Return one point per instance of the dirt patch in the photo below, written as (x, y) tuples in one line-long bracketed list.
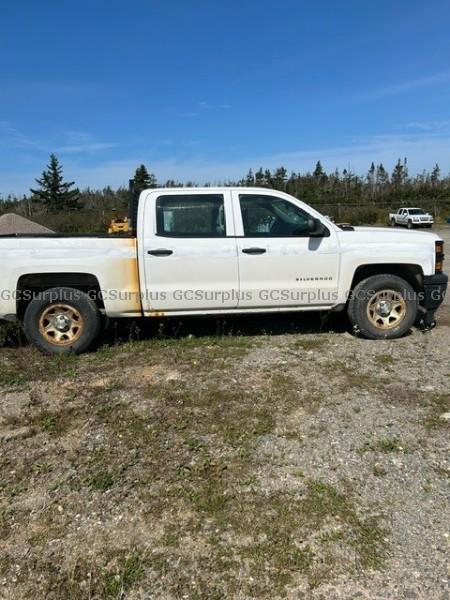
[(258, 466)]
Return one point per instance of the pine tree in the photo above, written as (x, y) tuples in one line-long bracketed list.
[(320, 179), (371, 181), (268, 178), (250, 179), (144, 179), (382, 177), (54, 192), (319, 173), (260, 180), (400, 173), (435, 175), (279, 179)]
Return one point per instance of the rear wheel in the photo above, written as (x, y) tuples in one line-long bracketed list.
[(62, 320), (392, 222), (383, 307)]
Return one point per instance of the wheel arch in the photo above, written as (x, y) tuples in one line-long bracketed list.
[(411, 273), (31, 283)]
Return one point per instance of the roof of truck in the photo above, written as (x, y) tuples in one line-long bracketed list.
[(212, 189)]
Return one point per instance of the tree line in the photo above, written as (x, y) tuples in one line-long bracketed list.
[(343, 193)]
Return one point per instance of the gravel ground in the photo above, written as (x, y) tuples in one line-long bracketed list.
[(284, 460)]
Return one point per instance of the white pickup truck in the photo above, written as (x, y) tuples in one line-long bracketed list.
[(216, 251), (411, 217)]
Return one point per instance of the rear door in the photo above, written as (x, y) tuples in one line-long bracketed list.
[(189, 251), (280, 265)]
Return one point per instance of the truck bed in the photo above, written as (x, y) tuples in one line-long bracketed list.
[(110, 260), (66, 235)]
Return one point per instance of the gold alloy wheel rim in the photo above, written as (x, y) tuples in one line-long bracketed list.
[(386, 309), (61, 324)]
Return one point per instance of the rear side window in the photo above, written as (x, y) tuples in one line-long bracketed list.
[(191, 215)]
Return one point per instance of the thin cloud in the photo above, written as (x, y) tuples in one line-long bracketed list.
[(423, 150), (428, 125), (209, 106), (406, 86), (74, 141), (12, 137), (204, 106), (89, 147), (82, 141)]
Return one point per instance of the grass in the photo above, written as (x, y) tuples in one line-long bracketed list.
[(26, 365), (349, 376), (384, 360), (162, 485), (385, 445), (439, 404), (310, 343), (109, 579)]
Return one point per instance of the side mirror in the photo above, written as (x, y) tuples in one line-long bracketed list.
[(316, 228)]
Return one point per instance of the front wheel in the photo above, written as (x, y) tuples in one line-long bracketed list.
[(62, 320), (410, 225), (383, 307)]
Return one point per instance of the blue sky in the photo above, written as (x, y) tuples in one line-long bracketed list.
[(203, 89)]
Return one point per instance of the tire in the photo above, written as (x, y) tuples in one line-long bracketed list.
[(429, 226), (78, 326), (393, 223), (378, 292), (410, 225)]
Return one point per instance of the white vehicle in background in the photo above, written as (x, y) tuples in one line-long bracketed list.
[(411, 217)]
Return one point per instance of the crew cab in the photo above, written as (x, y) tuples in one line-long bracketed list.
[(217, 251), (411, 217)]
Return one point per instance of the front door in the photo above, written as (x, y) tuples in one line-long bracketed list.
[(280, 264), (189, 252)]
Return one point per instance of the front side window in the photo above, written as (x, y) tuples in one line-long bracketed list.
[(191, 215), (269, 216)]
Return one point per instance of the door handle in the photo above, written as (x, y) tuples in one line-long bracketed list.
[(253, 250), (160, 252)]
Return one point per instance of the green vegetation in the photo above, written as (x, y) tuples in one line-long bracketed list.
[(440, 404), (384, 360), (143, 179), (53, 192), (385, 445), (346, 196), (164, 476)]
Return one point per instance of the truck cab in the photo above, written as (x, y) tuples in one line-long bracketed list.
[(206, 250)]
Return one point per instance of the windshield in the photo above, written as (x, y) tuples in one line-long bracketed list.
[(416, 211)]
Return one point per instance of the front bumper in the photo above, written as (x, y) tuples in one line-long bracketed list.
[(434, 290)]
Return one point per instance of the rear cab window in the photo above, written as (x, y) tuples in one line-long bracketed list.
[(191, 215)]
